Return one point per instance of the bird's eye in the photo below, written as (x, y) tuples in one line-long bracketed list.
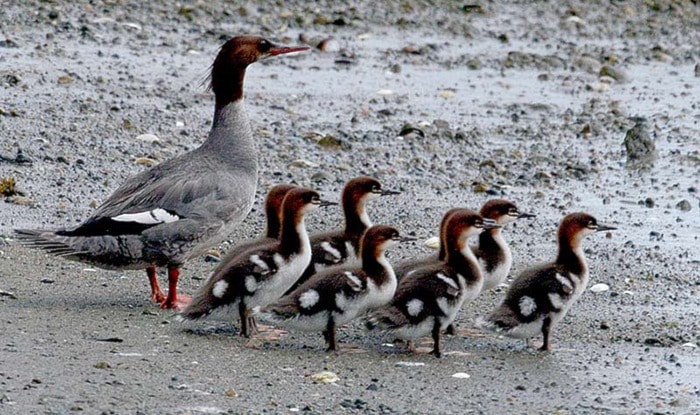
[(264, 45)]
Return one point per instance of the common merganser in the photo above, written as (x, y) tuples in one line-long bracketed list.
[(339, 294), (337, 247), (542, 295), (180, 208), (263, 273), (429, 298)]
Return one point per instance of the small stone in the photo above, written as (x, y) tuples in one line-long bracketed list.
[(697, 70), (102, 365), (47, 281), (231, 393), (149, 138), (65, 79), (409, 364), (303, 163), (599, 288), (372, 387), (385, 92), (145, 161), (461, 375), (432, 242), (640, 148), (684, 206), (649, 202), (613, 73), (325, 377)]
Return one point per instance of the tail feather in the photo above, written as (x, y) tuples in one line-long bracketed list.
[(500, 319), (279, 312), (200, 306), (387, 319)]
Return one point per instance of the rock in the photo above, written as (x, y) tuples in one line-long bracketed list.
[(613, 73), (432, 242), (409, 130), (8, 186), (332, 142), (684, 206), (640, 148), (409, 364), (697, 70), (461, 375), (102, 365), (231, 393), (303, 163), (649, 202), (65, 79), (149, 138), (8, 294), (599, 288), (325, 377), (145, 161)]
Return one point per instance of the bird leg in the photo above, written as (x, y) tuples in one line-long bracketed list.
[(173, 301), (436, 338), (157, 295), (451, 330), (329, 335), (245, 319), (546, 328)]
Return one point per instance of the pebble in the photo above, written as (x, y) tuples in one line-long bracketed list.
[(684, 206), (409, 364), (638, 144), (231, 393), (613, 73), (385, 92), (65, 79), (325, 377), (461, 375), (599, 288), (432, 242), (149, 138), (145, 161), (303, 163)]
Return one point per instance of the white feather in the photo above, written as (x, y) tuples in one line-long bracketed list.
[(329, 249), (308, 299), (414, 307), (219, 289), (152, 217), (527, 305), (447, 280)]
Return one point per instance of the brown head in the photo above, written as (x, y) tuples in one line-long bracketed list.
[(502, 211), (575, 226), (376, 240), (228, 69), (273, 208), (460, 226), (356, 192)]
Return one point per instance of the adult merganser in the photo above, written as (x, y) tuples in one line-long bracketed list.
[(338, 294), (263, 273), (541, 296), (180, 208)]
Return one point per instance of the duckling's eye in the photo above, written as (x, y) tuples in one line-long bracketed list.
[(264, 45)]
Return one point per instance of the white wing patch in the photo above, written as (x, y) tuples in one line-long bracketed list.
[(251, 284), (527, 305), (414, 307), (152, 217), (260, 265), (447, 280), (444, 305), (219, 289), (350, 249), (308, 299), (355, 282), (565, 282), (332, 251)]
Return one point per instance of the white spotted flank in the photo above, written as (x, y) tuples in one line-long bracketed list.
[(308, 299), (355, 282), (219, 289), (251, 284), (414, 307), (565, 282), (527, 305), (260, 265), (332, 251), (447, 280), (152, 217)]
